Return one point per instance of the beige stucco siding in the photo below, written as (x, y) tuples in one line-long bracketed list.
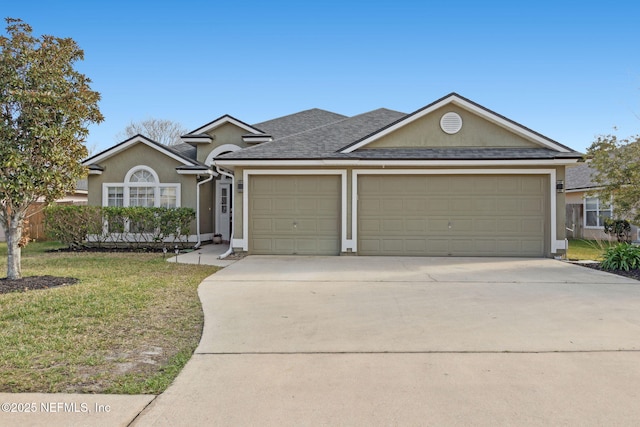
[(294, 215), (426, 133), (226, 134), (459, 215), (117, 166)]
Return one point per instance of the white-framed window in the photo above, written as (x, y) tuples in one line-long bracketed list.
[(115, 196), (141, 187), (596, 211)]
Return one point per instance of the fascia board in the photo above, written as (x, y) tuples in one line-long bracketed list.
[(125, 145)]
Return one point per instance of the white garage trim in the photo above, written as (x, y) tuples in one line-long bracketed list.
[(244, 242), (555, 244)]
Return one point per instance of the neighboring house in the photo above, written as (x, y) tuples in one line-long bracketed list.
[(35, 213), (453, 178), (585, 210)]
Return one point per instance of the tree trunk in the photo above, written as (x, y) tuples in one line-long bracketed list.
[(14, 234)]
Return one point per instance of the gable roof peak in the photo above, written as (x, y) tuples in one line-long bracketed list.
[(471, 106), (226, 118), (140, 139)]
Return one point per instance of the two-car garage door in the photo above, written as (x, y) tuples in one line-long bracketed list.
[(406, 215), (458, 215)]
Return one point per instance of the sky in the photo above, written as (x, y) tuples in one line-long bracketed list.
[(569, 70)]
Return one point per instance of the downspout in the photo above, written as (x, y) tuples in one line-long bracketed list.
[(198, 210), (233, 201)]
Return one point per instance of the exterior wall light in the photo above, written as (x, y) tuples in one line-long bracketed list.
[(560, 186)]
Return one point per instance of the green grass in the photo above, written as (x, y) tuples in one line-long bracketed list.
[(128, 326), (587, 249)]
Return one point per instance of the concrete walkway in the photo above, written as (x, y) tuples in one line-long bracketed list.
[(206, 255), (410, 341)]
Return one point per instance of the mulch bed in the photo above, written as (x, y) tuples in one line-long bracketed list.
[(633, 274), (34, 282)]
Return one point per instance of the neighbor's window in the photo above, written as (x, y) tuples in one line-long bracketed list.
[(596, 211)]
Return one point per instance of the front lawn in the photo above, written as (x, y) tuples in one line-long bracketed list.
[(128, 326), (587, 249)]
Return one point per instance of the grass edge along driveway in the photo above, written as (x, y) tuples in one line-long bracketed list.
[(127, 327)]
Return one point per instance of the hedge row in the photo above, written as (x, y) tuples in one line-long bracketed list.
[(134, 227)]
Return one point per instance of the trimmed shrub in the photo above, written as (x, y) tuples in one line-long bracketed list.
[(623, 256), (131, 227), (71, 224)]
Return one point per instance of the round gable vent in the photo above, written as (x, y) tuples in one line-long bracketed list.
[(451, 123)]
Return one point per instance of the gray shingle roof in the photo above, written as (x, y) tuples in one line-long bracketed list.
[(298, 122), (319, 142), (186, 150), (579, 177)]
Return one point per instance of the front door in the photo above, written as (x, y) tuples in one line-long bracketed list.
[(223, 208)]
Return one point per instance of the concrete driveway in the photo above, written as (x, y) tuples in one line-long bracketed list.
[(410, 341)]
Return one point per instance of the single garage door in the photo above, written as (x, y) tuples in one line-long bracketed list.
[(456, 215), (294, 214)]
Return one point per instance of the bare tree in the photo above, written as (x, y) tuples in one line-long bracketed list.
[(165, 132)]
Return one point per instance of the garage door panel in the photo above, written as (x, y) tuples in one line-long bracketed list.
[(485, 205), (294, 214), (452, 215), (532, 226), (437, 206), (485, 246), (392, 225), (283, 245), (507, 186), (416, 225), (262, 225), (488, 225), (262, 205), (369, 245), (283, 206), (370, 225), (437, 225), (531, 206), (461, 225), (533, 186), (393, 245), (285, 186), (413, 206), (416, 246), (485, 186), (328, 226)]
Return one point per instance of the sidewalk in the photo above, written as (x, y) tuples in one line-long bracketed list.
[(70, 410), (205, 255)]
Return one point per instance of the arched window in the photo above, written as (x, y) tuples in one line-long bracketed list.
[(142, 187), (142, 175)]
